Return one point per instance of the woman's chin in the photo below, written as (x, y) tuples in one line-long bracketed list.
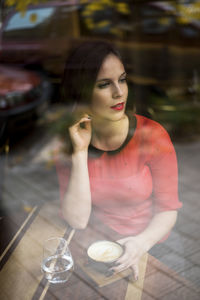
[(114, 117)]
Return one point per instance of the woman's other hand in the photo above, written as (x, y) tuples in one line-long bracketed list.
[(136, 246), (80, 134), (134, 250)]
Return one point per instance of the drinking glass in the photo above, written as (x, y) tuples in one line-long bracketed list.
[(57, 264)]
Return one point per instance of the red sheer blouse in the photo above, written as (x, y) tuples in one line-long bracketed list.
[(130, 185)]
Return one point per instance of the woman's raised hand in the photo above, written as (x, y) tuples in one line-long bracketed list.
[(80, 134)]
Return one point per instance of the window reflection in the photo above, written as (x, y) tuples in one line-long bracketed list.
[(19, 21)]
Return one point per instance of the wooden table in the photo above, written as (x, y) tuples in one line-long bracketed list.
[(22, 238)]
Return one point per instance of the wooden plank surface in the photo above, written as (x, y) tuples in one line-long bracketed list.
[(20, 276), (9, 225), (135, 289), (17, 233)]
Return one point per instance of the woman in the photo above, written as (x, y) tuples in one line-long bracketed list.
[(122, 167)]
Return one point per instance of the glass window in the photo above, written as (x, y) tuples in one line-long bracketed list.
[(21, 22), (35, 22)]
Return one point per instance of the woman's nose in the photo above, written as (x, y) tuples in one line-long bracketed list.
[(117, 91)]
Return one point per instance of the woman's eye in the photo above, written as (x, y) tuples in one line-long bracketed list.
[(122, 80), (103, 85)]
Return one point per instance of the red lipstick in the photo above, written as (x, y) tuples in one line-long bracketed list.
[(118, 106)]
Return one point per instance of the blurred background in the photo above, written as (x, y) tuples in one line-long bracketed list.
[(159, 41), (160, 44)]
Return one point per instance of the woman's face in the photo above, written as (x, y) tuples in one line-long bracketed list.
[(111, 91)]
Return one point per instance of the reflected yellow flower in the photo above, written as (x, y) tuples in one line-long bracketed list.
[(182, 20), (188, 12), (21, 5), (95, 6), (164, 21), (107, 2), (122, 8), (103, 24), (10, 2), (33, 18), (90, 24), (86, 13), (117, 32)]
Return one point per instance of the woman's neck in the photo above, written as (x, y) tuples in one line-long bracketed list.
[(109, 135)]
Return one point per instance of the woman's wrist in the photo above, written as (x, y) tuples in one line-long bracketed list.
[(159, 227), (80, 154), (144, 241)]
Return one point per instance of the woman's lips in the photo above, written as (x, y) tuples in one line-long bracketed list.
[(118, 106)]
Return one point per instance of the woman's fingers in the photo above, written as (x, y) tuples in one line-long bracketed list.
[(86, 119), (135, 269), (120, 268), (80, 133), (88, 124), (123, 267), (126, 263), (123, 259)]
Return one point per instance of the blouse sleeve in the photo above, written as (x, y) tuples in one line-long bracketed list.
[(163, 165)]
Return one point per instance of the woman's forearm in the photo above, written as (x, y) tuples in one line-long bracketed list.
[(136, 246), (160, 225), (76, 206)]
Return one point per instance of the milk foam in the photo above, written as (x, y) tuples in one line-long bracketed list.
[(104, 251)]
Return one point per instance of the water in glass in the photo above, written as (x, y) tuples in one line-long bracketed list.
[(57, 264), (57, 268)]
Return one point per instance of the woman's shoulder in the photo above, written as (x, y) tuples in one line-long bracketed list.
[(151, 132), (145, 121), (149, 125)]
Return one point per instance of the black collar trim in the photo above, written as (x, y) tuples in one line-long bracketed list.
[(95, 152)]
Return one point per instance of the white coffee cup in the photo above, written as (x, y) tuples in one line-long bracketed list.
[(102, 255)]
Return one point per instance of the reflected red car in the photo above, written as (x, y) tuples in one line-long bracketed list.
[(23, 96)]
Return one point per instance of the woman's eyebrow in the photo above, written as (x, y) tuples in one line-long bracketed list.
[(107, 79), (123, 74)]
